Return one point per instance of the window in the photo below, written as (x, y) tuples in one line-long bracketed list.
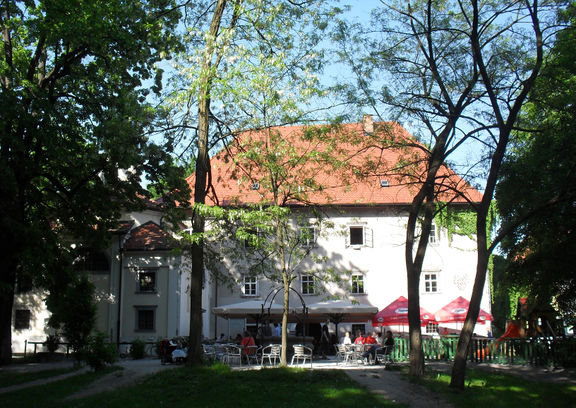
[(147, 281), (356, 235), (433, 238), (357, 284), (250, 286), (308, 237), (145, 318), (307, 285), (358, 328), (359, 236), (22, 319), (430, 282), (432, 328)]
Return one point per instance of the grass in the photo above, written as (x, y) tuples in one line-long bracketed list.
[(494, 390), (13, 378), (214, 386)]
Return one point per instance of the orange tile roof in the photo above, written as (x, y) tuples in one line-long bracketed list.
[(147, 237), (316, 180)]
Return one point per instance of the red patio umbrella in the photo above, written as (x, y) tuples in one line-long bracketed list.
[(456, 310), (396, 313)]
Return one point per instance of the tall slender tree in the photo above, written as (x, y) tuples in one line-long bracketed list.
[(460, 71), (250, 69)]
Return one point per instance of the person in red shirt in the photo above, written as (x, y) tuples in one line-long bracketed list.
[(370, 354), (248, 345), (359, 339)]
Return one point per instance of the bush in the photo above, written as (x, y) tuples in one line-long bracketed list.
[(52, 342), (138, 349), (98, 352), (566, 350)]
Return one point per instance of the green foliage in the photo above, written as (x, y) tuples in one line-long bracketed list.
[(74, 112), (52, 342), (456, 221), (98, 352), (536, 194), (73, 309), (138, 349)]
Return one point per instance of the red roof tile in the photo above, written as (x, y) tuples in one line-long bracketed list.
[(147, 237), (234, 171)]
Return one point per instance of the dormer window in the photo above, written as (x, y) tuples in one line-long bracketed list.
[(384, 183), (255, 186)]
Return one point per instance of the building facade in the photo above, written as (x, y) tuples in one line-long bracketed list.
[(142, 282)]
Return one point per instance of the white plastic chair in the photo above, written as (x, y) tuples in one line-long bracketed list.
[(272, 353), (233, 355), (251, 354), (301, 354)]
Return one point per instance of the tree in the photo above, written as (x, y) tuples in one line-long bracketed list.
[(463, 71), (73, 91), (73, 310), (231, 74), (539, 252), (430, 78), (276, 224)]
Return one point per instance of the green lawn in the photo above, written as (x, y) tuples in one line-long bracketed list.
[(485, 389), (8, 378), (215, 386), (218, 386)]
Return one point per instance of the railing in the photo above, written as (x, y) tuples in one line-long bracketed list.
[(42, 343), (532, 351)]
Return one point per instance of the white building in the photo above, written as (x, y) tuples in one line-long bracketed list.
[(149, 299)]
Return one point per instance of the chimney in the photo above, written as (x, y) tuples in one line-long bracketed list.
[(368, 124)]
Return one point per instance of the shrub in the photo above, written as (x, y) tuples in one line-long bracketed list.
[(52, 342), (99, 352), (138, 349)]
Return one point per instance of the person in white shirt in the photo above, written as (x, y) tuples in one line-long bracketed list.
[(346, 339)]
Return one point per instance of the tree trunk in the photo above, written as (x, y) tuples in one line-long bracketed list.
[(8, 268), (459, 367), (7, 282), (202, 169), (286, 305), (416, 352)]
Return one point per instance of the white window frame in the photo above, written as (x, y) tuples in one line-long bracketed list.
[(250, 285), (431, 282), (307, 284), (434, 237), (355, 278), (431, 327), (310, 240)]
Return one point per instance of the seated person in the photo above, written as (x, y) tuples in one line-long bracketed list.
[(346, 339), (248, 345), (388, 343), (179, 353), (370, 354), (359, 339)]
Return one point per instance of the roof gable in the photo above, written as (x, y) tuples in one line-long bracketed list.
[(148, 237)]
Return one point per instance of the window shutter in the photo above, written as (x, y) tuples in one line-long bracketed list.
[(368, 237)]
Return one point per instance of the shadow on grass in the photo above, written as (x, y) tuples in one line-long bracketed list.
[(502, 391), (216, 386)]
